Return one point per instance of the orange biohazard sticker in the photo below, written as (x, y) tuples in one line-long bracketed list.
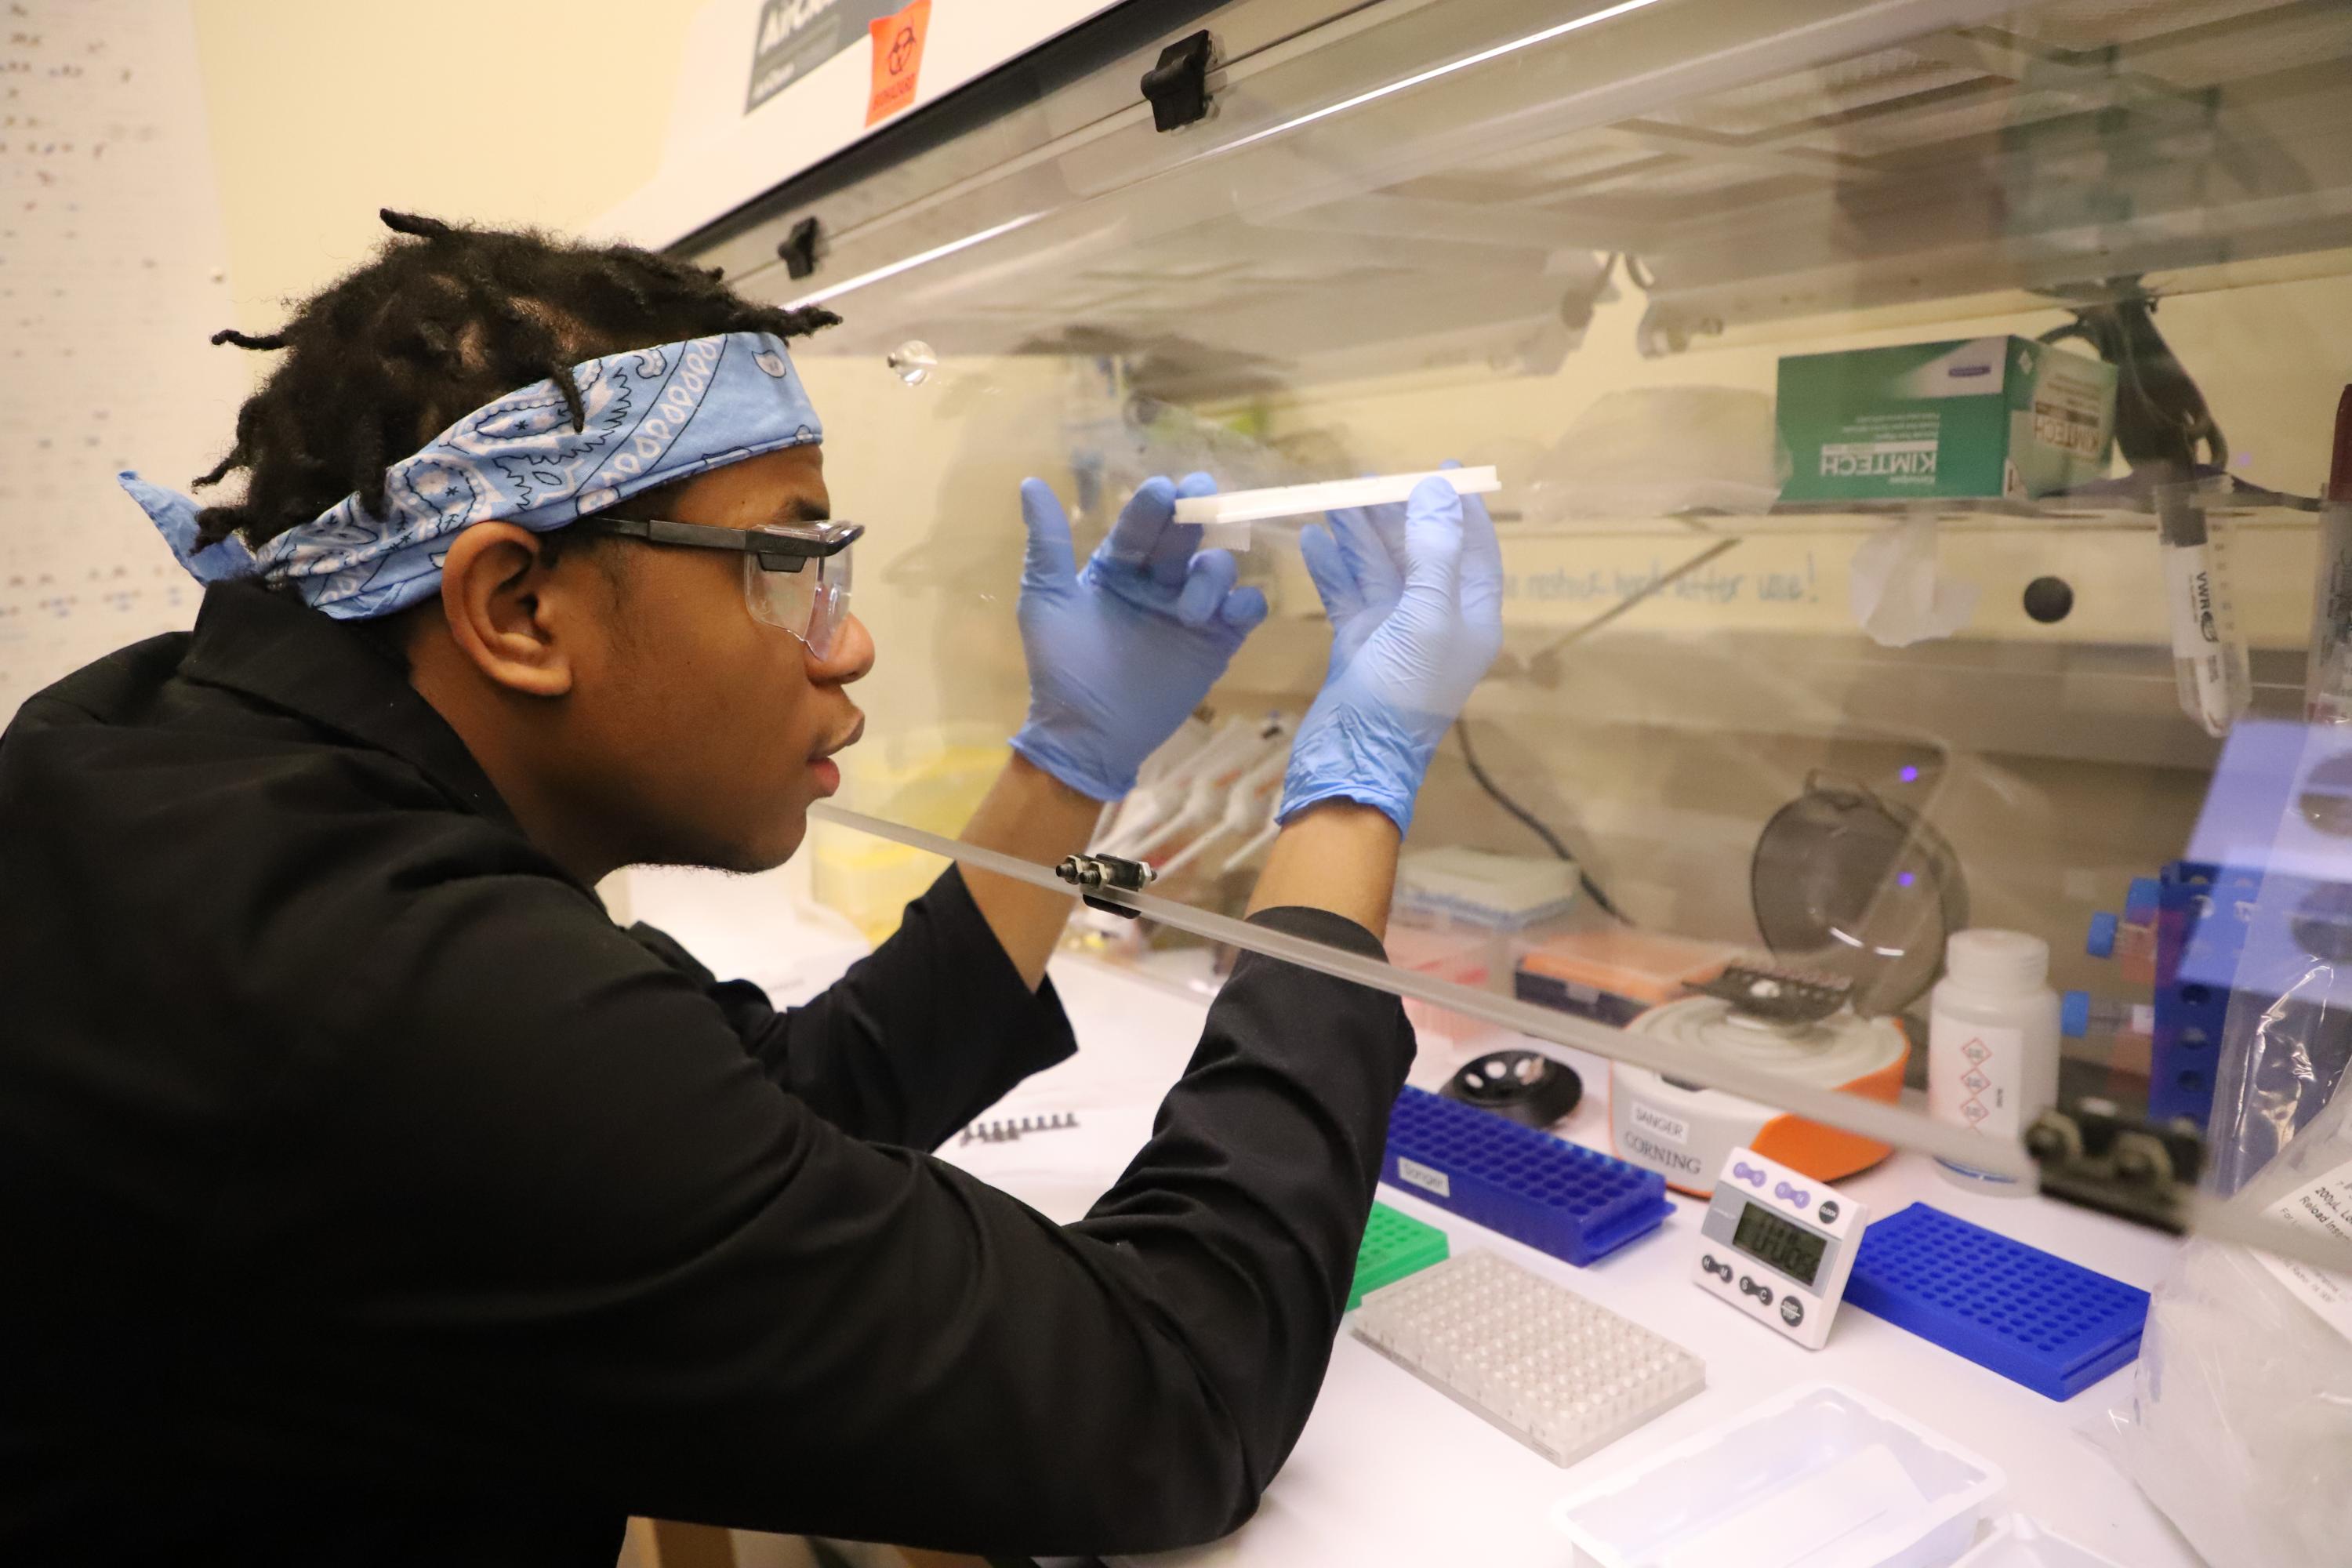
[(897, 59)]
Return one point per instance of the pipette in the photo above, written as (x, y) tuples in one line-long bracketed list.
[(1269, 826), (1154, 795), (1150, 805), (1245, 803), (1205, 801)]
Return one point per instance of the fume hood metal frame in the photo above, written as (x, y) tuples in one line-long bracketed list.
[(1460, 175)]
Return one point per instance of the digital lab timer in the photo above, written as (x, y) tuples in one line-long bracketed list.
[(1779, 1244)]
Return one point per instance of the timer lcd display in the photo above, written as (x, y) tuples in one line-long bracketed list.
[(1788, 1247)]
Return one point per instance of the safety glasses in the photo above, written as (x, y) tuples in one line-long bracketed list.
[(795, 576)]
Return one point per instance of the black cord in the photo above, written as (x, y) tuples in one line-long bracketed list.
[(2161, 418), (1494, 791)]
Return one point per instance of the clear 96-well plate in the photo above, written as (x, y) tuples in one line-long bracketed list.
[(1562, 1375)]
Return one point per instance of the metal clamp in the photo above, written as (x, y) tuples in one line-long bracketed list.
[(2095, 1154), (1086, 872)]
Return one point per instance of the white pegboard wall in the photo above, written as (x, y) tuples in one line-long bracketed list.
[(113, 275)]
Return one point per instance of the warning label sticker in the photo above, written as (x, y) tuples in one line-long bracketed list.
[(796, 36), (897, 59)]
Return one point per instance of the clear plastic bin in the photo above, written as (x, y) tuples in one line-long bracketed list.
[(1818, 1477), (2019, 1542)]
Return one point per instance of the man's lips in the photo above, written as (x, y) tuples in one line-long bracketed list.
[(848, 738)]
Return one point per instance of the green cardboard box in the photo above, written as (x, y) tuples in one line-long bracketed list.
[(1981, 417)]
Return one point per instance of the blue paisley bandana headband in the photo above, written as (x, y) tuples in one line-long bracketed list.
[(654, 416)]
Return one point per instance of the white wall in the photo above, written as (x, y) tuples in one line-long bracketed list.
[(169, 168), (541, 112), (112, 271)]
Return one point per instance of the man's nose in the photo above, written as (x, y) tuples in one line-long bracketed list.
[(852, 656)]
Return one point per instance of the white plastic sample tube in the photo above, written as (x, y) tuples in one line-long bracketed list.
[(2209, 658), (1226, 518)]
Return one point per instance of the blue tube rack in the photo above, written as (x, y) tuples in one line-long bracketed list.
[(2054, 1326), (1560, 1198)]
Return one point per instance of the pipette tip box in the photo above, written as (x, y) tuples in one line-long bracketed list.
[(1573, 1202), (1395, 1245), (2054, 1326), (1561, 1375), (1492, 892)]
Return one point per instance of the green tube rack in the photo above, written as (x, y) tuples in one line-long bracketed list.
[(1396, 1244)]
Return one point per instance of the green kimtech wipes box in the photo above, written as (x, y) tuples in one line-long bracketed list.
[(1984, 418)]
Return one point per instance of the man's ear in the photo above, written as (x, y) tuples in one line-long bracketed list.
[(494, 586)]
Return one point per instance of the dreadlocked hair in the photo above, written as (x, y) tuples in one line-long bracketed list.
[(440, 323)]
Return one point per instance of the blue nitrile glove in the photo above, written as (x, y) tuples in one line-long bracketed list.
[(1120, 653), (1415, 598)]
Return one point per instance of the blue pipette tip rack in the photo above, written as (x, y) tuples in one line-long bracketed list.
[(2054, 1326), (1572, 1201)]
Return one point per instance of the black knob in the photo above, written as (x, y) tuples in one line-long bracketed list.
[(798, 249), (2049, 599)]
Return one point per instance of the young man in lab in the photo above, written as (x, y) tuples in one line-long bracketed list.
[(368, 1197)]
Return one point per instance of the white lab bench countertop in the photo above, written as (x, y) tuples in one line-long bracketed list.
[(1390, 1471)]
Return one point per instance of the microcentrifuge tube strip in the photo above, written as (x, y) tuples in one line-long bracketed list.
[(1009, 1128), (1561, 1375)]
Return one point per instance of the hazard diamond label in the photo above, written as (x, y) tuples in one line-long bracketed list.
[(1976, 1083), (1976, 1051), (1974, 1111)]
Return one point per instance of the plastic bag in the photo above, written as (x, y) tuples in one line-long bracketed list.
[(1897, 592), (2239, 1426), (2275, 936), (1653, 451), (2283, 1056)]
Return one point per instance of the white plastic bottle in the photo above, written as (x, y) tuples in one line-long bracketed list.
[(1992, 1042)]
